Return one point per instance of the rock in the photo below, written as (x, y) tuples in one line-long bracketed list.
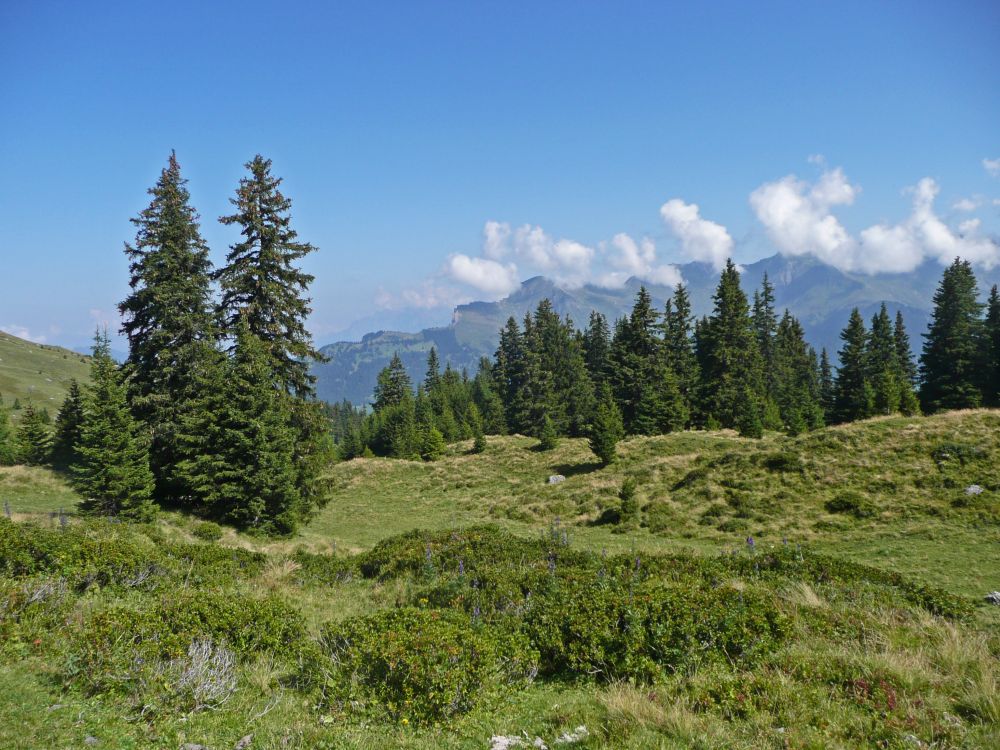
[(556, 479), (973, 489), (244, 742), (90, 740), (193, 746), (571, 738), (993, 597)]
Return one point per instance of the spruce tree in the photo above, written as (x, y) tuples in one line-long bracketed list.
[(596, 348), (432, 444), (765, 324), (607, 429), (884, 369), (904, 355), (433, 377), (487, 399), (393, 384), (548, 438), (796, 388), (34, 440), (733, 386), (990, 348), (853, 393), (826, 387), (262, 283), (239, 442), (951, 352), (678, 347), (167, 313), (112, 471), (69, 422)]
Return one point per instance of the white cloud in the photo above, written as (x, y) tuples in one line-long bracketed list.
[(797, 215), (485, 275), (799, 220), (22, 332), (701, 239), (967, 205), (637, 259), (427, 296), (992, 166)]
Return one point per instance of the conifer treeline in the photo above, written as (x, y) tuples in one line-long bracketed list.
[(214, 410), (742, 367)]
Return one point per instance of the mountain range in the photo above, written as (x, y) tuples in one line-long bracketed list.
[(820, 295)]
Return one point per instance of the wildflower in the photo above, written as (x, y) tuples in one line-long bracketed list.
[(461, 567), (750, 543)]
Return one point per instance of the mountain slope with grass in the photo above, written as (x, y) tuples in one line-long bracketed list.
[(467, 603), (38, 372)]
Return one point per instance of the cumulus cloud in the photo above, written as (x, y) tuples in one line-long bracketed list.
[(486, 275), (992, 166), (638, 259), (700, 239), (797, 215), (565, 260), (22, 332), (799, 219)]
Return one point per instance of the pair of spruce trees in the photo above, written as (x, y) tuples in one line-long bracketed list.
[(214, 410)]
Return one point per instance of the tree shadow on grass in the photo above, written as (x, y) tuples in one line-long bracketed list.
[(569, 470)]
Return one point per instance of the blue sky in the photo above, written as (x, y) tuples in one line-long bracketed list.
[(438, 152)]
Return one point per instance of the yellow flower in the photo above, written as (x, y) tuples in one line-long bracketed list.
[(406, 721)]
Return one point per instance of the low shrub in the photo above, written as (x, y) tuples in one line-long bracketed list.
[(851, 503), (322, 570), (613, 630), (213, 565), (422, 665), (208, 531), (99, 552), (783, 462)]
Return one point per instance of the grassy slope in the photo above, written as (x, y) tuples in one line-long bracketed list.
[(699, 491), (38, 372)]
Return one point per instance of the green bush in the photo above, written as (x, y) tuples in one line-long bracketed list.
[(213, 565), (851, 503), (99, 552), (322, 570), (783, 462), (612, 629), (208, 531), (422, 665), (166, 627)]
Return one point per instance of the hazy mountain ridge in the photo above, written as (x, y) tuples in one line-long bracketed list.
[(820, 295)]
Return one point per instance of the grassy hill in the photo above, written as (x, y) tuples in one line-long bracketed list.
[(38, 372), (856, 618)]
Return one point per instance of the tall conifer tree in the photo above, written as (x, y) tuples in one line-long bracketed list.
[(69, 423), (826, 388), (678, 347), (990, 367), (167, 313), (262, 283), (903, 353), (733, 387), (951, 351), (853, 394)]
